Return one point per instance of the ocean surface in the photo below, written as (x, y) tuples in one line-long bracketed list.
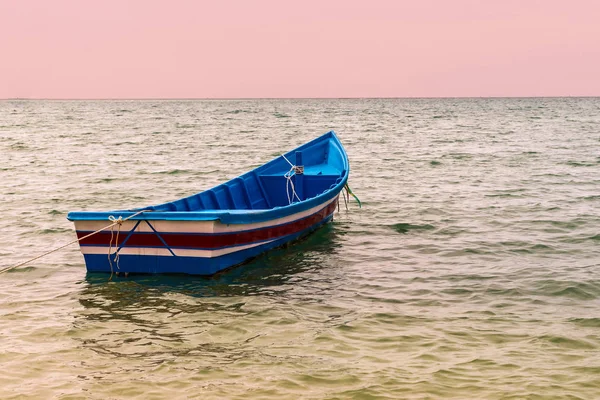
[(471, 272)]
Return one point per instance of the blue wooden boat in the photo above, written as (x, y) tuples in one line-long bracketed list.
[(209, 231)]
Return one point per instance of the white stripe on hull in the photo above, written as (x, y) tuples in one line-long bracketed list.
[(198, 226), (148, 251)]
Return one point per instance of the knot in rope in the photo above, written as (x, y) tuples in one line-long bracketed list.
[(295, 169), (290, 185), (117, 220)]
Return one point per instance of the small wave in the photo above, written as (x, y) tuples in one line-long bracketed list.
[(53, 230), (581, 164), (406, 227), (460, 156), (279, 115), (570, 289), (575, 293), (468, 277), (508, 293), (435, 163), (20, 270), (566, 225), (587, 322), (457, 291), (570, 343), (173, 172), (506, 195), (124, 143), (541, 247)]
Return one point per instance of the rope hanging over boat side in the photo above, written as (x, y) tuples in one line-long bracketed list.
[(294, 170), (290, 184), (348, 193), (118, 221)]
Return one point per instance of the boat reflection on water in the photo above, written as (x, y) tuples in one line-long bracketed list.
[(275, 272), (190, 323)]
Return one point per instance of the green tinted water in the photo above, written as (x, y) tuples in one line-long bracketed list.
[(472, 271)]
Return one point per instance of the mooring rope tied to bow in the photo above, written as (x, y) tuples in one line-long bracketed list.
[(117, 221)]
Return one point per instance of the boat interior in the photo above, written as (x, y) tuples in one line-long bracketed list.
[(275, 184)]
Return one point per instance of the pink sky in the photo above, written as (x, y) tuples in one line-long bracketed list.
[(308, 48)]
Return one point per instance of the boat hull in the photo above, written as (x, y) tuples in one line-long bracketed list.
[(191, 247)]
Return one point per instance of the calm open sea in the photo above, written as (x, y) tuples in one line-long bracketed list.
[(471, 272)]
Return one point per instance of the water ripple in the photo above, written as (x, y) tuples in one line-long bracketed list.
[(472, 270)]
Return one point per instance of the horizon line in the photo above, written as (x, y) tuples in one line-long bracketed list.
[(283, 98)]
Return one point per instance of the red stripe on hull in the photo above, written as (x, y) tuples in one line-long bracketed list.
[(207, 241)]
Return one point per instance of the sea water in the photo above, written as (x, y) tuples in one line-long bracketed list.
[(472, 270)]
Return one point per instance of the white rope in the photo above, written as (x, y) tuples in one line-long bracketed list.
[(285, 158), (118, 221), (288, 175), (72, 242), (290, 184)]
